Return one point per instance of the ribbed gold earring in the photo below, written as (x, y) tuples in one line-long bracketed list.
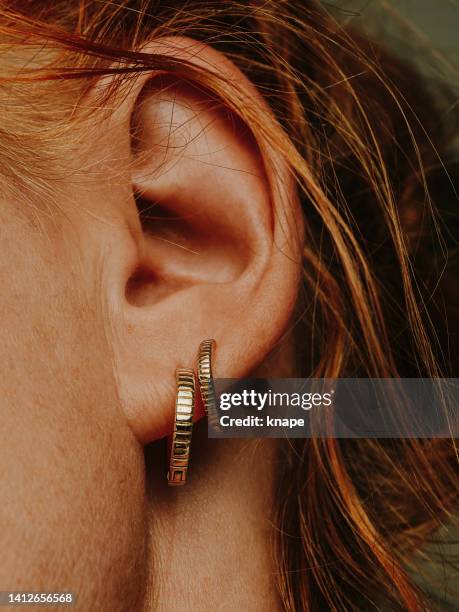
[(180, 441), (205, 378)]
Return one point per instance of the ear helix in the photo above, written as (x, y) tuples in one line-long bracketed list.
[(180, 440)]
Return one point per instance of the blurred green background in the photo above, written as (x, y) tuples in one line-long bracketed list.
[(424, 31), (432, 25)]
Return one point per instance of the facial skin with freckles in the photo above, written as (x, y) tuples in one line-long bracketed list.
[(99, 306)]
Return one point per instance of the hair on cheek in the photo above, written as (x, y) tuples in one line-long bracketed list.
[(361, 132)]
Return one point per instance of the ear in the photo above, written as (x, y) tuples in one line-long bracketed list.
[(217, 240)]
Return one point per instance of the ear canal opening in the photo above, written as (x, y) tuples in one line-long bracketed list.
[(145, 288), (151, 213)]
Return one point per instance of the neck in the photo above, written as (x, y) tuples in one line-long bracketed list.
[(211, 540)]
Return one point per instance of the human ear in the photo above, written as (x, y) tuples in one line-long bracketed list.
[(217, 239)]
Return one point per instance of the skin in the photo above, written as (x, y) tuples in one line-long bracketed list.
[(97, 312), (72, 476), (213, 545)]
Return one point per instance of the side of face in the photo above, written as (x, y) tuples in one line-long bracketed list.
[(101, 304), (72, 473)]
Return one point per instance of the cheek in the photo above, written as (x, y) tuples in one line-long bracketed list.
[(72, 471)]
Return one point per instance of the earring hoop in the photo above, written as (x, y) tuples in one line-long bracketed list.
[(180, 441), (205, 377)]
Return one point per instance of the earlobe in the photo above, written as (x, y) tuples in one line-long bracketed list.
[(214, 258)]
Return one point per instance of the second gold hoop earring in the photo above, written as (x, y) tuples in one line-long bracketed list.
[(180, 441), (205, 378)]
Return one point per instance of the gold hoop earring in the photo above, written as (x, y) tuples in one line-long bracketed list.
[(180, 441), (205, 377)]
